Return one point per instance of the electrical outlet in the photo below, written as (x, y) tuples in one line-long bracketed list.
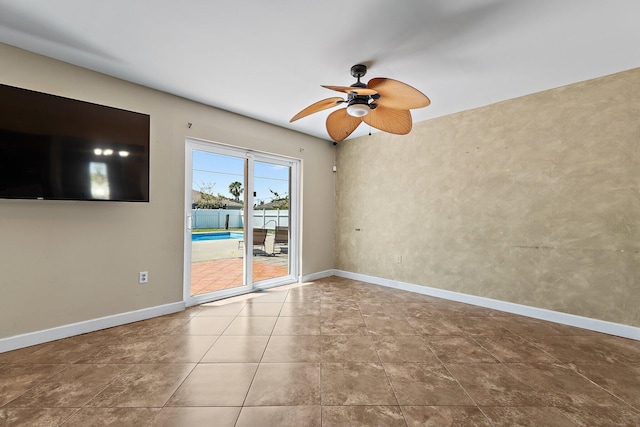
[(143, 277), (399, 259)]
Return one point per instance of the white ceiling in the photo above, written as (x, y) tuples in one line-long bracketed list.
[(267, 59)]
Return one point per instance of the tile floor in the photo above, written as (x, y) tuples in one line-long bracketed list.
[(335, 352)]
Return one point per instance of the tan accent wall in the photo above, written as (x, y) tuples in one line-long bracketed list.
[(534, 201), (63, 262)]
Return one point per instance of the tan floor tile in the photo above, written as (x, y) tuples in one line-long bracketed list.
[(459, 349), (143, 386), (231, 348), (596, 348), (221, 308), (512, 348), (493, 384), (35, 416), (181, 349), (251, 326), (342, 354), (403, 348), (353, 383), (589, 416), (380, 309), (299, 325), (560, 385), (285, 384), (388, 326), (16, 379), (434, 326), (280, 416), (300, 309), (288, 349), (352, 324), (205, 325), (73, 387), (419, 384), (253, 308), (473, 325), (527, 416), (112, 417), (128, 349), (271, 295), (436, 416), (619, 380), (64, 351), (348, 416), (419, 310), (196, 417), (215, 384), (347, 348)]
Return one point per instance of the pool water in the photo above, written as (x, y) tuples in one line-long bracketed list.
[(225, 235)]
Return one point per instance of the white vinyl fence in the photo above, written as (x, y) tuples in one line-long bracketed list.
[(217, 218)]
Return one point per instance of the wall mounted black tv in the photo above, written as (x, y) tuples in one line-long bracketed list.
[(62, 149)]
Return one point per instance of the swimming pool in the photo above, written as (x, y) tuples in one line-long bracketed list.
[(225, 235)]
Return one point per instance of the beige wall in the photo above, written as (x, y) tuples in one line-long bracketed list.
[(65, 262), (533, 200)]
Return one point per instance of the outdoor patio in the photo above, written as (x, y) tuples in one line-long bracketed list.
[(218, 264)]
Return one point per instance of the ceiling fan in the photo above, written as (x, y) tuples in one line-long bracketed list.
[(382, 103)]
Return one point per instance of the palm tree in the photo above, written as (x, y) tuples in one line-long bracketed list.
[(235, 188)]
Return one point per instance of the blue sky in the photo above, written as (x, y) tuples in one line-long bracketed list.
[(221, 170)]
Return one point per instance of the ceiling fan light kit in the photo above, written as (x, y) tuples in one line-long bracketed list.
[(358, 110), (382, 103)]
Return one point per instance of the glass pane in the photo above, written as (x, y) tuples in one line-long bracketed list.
[(270, 221), (217, 212)]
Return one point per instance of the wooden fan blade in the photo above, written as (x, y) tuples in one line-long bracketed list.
[(318, 106), (340, 124), (349, 89), (389, 120), (398, 95)]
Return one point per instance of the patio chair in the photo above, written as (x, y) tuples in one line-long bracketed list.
[(282, 238), (259, 239)]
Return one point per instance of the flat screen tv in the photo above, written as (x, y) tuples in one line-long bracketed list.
[(62, 149)]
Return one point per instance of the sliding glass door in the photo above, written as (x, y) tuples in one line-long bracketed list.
[(241, 221)]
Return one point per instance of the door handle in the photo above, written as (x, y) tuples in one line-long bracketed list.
[(189, 223)]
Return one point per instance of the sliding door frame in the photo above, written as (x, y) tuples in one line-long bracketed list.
[(250, 157)]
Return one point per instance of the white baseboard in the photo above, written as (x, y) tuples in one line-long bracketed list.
[(65, 331), (317, 276), (603, 326)]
